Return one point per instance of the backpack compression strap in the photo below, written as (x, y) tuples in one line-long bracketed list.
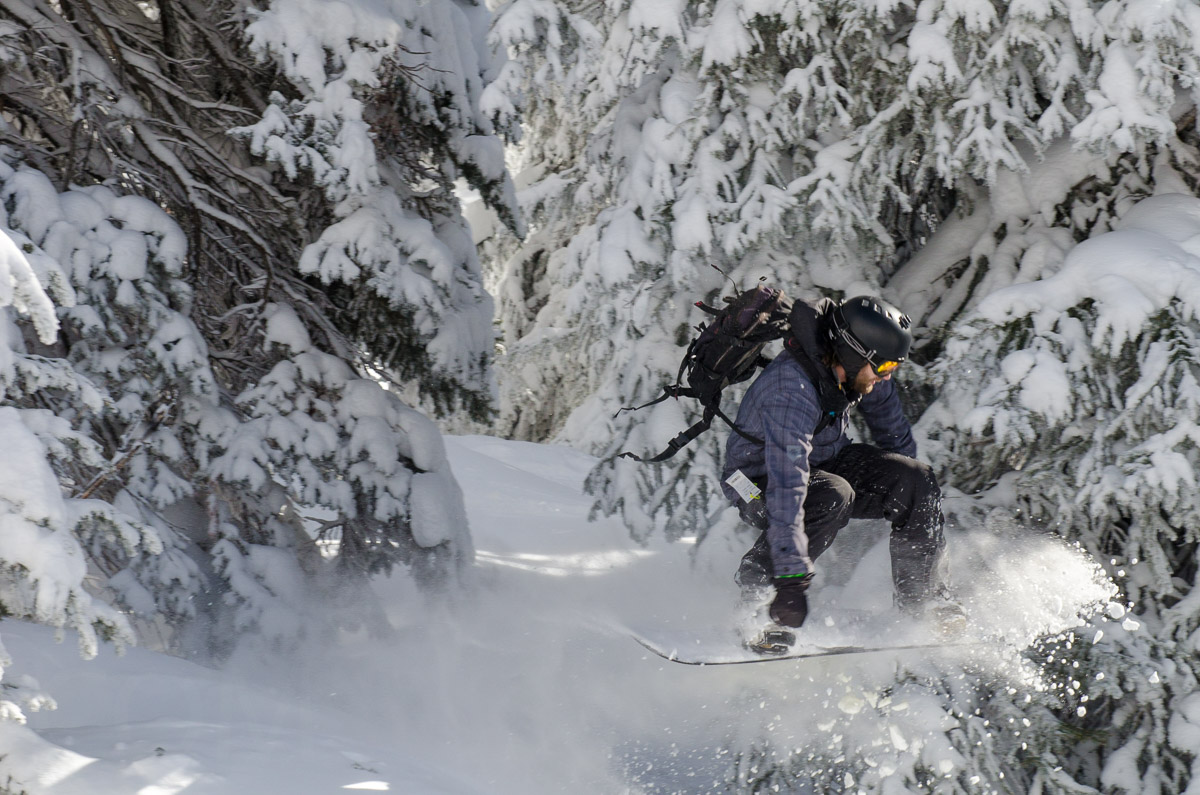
[(684, 437), (676, 444)]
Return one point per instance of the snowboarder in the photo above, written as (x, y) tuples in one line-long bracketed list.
[(808, 479)]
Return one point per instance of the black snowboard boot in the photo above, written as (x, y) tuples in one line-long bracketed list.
[(944, 614), (754, 572)]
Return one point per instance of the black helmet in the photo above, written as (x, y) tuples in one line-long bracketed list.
[(869, 329)]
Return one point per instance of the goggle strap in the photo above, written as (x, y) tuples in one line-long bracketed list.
[(857, 347)]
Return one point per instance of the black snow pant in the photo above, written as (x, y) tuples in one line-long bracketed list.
[(864, 482)]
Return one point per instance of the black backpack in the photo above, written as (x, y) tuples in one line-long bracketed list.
[(726, 351)]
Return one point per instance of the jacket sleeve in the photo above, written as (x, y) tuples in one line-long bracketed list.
[(790, 416), (884, 415)]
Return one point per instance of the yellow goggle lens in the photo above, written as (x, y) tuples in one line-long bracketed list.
[(886, 367)]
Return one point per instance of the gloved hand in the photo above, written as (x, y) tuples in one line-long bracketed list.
[(790, 607)]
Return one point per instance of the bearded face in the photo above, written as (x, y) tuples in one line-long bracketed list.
[(865, 380)]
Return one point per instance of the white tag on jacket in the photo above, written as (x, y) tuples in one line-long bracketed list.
[(744, 486)]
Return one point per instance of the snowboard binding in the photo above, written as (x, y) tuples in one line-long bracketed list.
[(771, 642)]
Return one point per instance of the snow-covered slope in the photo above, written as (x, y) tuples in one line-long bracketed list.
[(528, 682)]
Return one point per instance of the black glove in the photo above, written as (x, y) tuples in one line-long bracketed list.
[(790, 607)]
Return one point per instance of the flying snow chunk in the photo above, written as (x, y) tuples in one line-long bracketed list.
[(851, 704)]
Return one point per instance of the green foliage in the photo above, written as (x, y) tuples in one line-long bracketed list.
[(202, 230), (1080, 407)]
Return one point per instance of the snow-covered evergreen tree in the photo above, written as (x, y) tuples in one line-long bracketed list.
[(383, 113), (249, 218), (1077, 394), (44, 571), (127, 363)]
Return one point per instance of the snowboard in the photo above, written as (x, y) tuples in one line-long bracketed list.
[(744, 656)]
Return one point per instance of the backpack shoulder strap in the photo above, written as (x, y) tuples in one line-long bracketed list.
[(833, 404), (733, 425)]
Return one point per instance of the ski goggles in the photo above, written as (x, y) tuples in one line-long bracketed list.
[(882, 369)]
